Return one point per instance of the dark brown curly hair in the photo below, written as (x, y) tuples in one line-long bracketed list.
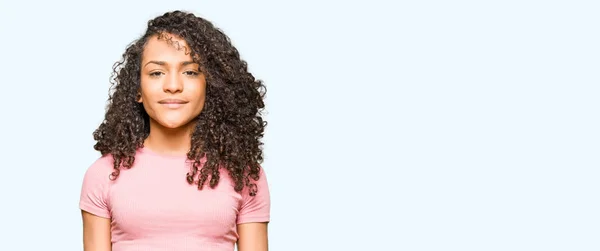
[(229, 129)]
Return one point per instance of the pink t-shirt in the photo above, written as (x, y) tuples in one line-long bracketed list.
[(152, 207)]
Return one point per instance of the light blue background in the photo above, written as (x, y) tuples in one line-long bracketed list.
[(400, 125)]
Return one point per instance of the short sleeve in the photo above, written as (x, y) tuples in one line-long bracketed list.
[(94, 190), (256, 208)]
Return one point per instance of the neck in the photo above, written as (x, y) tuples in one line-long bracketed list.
[(169, 141)]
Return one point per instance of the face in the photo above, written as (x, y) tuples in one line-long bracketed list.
[(173, 89)]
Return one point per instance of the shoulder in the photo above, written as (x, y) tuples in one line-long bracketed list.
[(259, 187), (94, 190), (257, 207), (100, 169), (262, 176)]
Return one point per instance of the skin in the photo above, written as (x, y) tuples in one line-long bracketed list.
[(253, 237), (169, 73)]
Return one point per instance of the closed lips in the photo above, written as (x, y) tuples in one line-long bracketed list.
[(172, 101)]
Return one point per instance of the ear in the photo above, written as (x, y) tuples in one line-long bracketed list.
[(139, 97)]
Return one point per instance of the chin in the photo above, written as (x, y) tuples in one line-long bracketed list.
[(172, 125), (172, 122), (175, 124)]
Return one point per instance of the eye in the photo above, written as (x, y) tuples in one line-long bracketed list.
[(191, 73), (155, 74)]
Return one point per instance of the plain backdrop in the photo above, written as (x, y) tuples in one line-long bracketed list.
[(399, 125)]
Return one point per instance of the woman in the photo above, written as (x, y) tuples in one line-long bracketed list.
[(180, 144)]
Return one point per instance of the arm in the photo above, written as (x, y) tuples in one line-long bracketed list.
[(96, 233), (254, 217), (253, 237), (95, 210)]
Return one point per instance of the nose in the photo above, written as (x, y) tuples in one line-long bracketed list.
[(173, 84)]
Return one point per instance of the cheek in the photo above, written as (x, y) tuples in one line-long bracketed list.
[(151, 89), (149, 98), (200, 102), (198, 91), (145, 89)]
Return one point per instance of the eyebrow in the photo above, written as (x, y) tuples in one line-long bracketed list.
[(184, 63)]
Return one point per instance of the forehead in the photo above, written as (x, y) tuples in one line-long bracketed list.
[(166, 47)]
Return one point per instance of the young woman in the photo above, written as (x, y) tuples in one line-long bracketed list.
[(180, 144)]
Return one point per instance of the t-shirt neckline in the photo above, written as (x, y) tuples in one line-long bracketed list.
[(146, 150)]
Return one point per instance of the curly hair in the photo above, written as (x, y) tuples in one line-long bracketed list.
[(229, 129)]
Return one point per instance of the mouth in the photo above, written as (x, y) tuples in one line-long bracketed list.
[(172, 102)]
